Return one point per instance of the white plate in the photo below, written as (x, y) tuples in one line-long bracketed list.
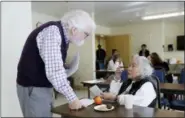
[(102, 107)]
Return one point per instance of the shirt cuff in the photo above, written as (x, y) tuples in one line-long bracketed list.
[(70, 96), (121, 99)]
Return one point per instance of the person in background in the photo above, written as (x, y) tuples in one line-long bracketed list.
[(144, 51), (115, 81), (41, 66), (158, 63), (114, 52), (115, 63), (140, 84), (100, 56)]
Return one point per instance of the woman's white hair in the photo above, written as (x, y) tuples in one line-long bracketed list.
[(78, 19), (144, 65)]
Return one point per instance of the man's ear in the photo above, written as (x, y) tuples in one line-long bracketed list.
[(73, 31)]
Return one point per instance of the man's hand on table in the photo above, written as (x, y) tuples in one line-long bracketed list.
[(76, 105)]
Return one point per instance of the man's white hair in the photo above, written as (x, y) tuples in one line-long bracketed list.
[(144, 65), (78, 19)]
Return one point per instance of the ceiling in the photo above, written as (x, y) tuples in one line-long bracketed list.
[(112, 13)]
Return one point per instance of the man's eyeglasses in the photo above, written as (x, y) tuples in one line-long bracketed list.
[(86, 35)]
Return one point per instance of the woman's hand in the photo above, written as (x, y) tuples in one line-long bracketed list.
[(108, 96)]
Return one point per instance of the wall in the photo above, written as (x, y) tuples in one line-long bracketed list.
[(103, 30), (41, 18), (14, 33), (172, 30), (147, 33), (154, 34), (179, 55)]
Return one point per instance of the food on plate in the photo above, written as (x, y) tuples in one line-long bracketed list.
[(109, 106)]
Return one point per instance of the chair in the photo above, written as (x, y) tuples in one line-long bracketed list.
[(182, 78), (124, 75), (160, 74), (179, 104), (155, 78)]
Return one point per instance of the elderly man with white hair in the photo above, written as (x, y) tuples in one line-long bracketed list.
[(42, 63), (140, 84)]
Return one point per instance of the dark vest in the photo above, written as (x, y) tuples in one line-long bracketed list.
[(136, 86), (31, 68)]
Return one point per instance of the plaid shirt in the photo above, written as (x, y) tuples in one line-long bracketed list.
[(48, 43)]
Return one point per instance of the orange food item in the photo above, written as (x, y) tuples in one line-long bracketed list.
[(98, 100)]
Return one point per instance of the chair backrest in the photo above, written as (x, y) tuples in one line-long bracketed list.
[(124, 75), (182, 77), (160, 74), (155, 79)]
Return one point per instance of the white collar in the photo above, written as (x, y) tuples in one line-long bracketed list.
[(117, 80)]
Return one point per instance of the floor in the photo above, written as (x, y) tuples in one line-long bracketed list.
[(62, 100)]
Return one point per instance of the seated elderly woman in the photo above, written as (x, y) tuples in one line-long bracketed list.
[(140, 84)]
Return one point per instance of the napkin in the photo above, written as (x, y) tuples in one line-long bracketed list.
[(86, 102), (96, 90), (73, 66)]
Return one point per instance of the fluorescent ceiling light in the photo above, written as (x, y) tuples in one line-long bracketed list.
[(132, 10), (166, 15), (136, 3)]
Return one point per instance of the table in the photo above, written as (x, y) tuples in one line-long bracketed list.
[(167, 88), (105, 71), (89, 84), (170, 88), (119, 111)]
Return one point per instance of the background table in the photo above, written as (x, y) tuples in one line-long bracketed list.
[(103, 73), (89, 84), (170, 88), (167, 88)]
